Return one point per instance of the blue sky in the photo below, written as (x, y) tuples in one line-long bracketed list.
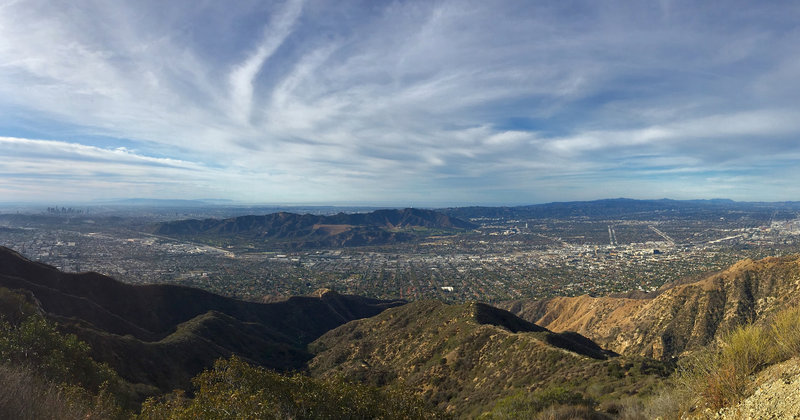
[(403, 102)]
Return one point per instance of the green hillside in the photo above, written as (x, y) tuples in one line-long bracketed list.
[(464, 358)]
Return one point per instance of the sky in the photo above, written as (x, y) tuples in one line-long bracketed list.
[(399, 102)]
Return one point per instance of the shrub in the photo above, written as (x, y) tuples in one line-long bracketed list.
[(666, 405), (571, 412), (235, 389), (53, 367), (747, 349), (523, 405), (25, 395), (786, 330), (15, 305), (62, 358), (721, 376)]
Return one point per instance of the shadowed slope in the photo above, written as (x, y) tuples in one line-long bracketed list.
[(163, 335)]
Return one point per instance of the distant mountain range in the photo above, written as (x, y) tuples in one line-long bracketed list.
[(625, 208), (292, 230)]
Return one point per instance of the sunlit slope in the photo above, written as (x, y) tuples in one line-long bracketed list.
[(680, 317), (464, 357)]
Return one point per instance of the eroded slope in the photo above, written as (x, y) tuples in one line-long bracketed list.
[(678, 319)]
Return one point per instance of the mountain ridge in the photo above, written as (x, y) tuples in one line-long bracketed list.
[(293, 230), (679, 318), (630, 209), (148, 328), (463, 357)]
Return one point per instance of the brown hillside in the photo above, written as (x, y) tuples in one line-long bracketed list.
[(680, 318)]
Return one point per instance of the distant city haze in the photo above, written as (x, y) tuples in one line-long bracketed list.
[(401, 104)]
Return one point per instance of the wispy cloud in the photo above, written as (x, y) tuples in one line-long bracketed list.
[(244, 74), (449, 100)]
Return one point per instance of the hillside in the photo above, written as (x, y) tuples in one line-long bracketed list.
[(465, 357), (461, 358), (466, 360), (295, 231), (679, 318), (163, 335)]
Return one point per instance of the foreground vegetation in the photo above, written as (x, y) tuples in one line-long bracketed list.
[(235, 389), (47, 374), (722, 375)]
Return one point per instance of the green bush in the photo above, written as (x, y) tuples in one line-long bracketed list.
[(235, 389), (36, 344), (15, 305), (49, 375), (523, 405)]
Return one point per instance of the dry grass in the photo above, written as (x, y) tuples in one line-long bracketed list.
[(571, 412), (748, 349), (786, 330), (24, 396), (666, 405), (721, 376), (724, 375)]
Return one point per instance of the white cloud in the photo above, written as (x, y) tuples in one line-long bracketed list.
[(244, 74), (341, 100)]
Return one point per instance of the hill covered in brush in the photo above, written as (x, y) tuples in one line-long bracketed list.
[(466, 358), (460, 358), (290, 230)]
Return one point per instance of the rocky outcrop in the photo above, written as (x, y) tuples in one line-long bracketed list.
[(777, 395)]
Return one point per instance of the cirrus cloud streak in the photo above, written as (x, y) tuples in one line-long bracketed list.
[(426, 102)]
